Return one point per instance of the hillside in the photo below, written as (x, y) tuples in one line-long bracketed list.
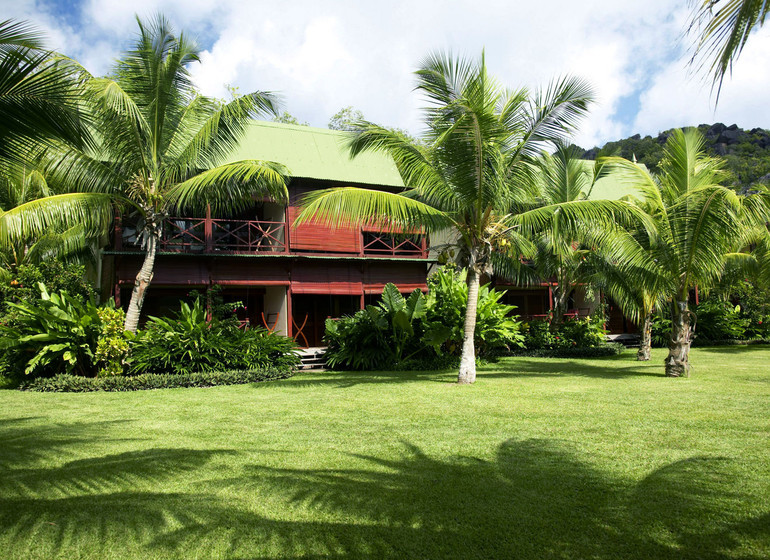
[(747, 151)]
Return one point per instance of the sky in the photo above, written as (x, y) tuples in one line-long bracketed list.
[(321, 56)]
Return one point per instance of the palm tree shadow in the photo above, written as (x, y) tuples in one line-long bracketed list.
[(617, 367), (536, 499)]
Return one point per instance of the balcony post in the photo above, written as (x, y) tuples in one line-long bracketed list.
[(118, 242), (286, 229), (208, 230)]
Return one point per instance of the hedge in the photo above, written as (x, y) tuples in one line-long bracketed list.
[(64, 383), (609, 349)]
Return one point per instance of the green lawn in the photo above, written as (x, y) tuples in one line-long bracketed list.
[(539, 459)]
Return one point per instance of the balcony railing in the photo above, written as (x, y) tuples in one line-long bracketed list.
[(387, 245), (206, 235)]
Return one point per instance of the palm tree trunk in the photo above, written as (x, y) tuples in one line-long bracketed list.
[(560, 299), (678, 359), (468, 358), (645, 342), (143, 279)]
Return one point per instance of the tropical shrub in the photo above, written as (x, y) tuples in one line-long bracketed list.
[(392, 332), (496, 327), (661, 330), (586, 332), (755, 308), (191, 342), (603, 351), (22, 284), (77, 384), (719, 320), (56, 334), (112, 345), (402, 333)]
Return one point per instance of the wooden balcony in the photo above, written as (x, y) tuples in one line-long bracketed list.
[(378, 244), (209, 235), (228, 236)]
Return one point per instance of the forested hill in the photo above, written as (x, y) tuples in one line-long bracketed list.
[(747, 151)]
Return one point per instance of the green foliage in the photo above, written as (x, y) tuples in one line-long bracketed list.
[(55, 274), (660, 330), (582, 333), (416, 330), (346, 118), (496, 327), (381, 336), (57, 333), (64, 383), (192, 343), (112, 345), (720, 320), (602, 351), (746, 153), (754, 304), (288, 118)]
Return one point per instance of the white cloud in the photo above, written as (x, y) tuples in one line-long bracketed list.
[(322, 56), (675, 98)]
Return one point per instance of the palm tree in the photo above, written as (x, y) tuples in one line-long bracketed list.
[(39, 113), (698, 222), (160, 143), (723, 27), (68, 227), (565, 257), (38, 95), (473, 165)]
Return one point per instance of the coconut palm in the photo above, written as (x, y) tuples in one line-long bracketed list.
[(39, 112), (722, 28), (38, 94), (473, 166), (161, 144), (698, 222), (37, 223), (563, 258)]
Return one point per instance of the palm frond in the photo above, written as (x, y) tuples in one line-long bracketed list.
[(389, 211), (37, 217), (230, 186), (722, 28)]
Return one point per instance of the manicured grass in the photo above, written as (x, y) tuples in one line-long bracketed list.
[(539, 459)]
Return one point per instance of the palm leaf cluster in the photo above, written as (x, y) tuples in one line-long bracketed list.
[(472, 178), (723, 27)]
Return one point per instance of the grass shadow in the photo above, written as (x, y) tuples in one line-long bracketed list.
[(737, 349), (535, 498)]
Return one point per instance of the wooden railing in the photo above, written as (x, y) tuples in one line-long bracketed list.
[(378, 244), (207, 235)]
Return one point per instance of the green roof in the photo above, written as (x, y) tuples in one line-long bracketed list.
[(315, 153)]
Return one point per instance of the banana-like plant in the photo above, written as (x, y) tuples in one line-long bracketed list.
[(59, 332)]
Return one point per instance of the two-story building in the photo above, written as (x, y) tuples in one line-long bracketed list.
[(290, 279)]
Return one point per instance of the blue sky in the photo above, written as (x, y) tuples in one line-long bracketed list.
[(322, 56)]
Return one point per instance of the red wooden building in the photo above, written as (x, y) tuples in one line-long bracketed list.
[(291, 278)]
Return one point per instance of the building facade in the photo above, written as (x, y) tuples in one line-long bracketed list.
[(291, 279)]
